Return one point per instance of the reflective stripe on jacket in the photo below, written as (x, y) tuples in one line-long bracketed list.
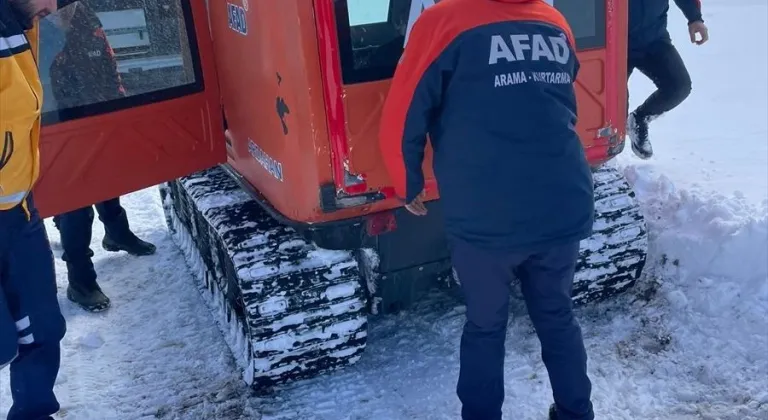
[(21, 96)]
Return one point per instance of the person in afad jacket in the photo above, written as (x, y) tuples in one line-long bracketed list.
[(652, 53), (31, 323), (83, 73), (492, 84)]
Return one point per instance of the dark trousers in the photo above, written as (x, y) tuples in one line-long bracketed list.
[(661, 63), (31, 323), (76, 227), (547, 283)]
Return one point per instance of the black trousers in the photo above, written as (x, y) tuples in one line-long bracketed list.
[(76, 230), (661, 63)]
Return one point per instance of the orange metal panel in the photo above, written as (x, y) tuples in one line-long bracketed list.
[(93, 158)]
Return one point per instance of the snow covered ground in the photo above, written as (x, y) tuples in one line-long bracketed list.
[(717, 141), (690, 342)]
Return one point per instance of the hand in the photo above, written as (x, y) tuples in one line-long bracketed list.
[(417, 205), (699, 28)]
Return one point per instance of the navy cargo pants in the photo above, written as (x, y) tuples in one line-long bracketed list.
[(76, 229), (31, 323), (547, 282)]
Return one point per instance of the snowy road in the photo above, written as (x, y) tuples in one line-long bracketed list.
[(691, 342)]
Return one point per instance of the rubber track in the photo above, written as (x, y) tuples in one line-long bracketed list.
[(294, 311), (612, 259), (289, 310)]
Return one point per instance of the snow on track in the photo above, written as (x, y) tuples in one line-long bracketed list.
[(689, 342)]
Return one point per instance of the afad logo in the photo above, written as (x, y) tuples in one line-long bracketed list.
[(418, 6), (236, 17)]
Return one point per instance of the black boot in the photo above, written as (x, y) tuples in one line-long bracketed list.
[(132, 245), (117, 232), (553, 412), (92, 299), (637, 130)]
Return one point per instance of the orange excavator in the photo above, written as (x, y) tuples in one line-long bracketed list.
[(259, 120)]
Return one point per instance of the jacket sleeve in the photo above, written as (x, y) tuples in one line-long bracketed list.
[(691, 9), (108, 63), (412, 103)]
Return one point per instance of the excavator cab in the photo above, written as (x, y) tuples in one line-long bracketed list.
[(260, 121), (301, 84), (303, 106)]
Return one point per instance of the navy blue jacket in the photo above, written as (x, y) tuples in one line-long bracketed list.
[(648, 20), (85, 71), (491, 82)]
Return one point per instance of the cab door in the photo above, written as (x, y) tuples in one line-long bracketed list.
[(371, 35), (130, 99), (600, 29)]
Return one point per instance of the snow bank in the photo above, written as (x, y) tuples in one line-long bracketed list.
[(711, 254), (711, 235)]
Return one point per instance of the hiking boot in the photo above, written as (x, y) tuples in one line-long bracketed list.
[(133, 245), (637, 130), (553, 412), (92, 300)]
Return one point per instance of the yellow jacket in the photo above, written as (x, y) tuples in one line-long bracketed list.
[(21, 96)]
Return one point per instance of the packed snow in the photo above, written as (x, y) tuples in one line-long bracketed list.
[(689, 342)]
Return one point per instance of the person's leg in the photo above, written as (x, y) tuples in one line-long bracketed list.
[(666, 69), (76, 228), (664, 66), (118, 235), (30, 290), (9, 346), (114, 218), (485, 281), (547, 283)]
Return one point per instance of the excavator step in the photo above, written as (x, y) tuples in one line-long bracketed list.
[(289, 310)]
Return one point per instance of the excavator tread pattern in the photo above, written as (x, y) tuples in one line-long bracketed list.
[(289, 309), (612, 259)]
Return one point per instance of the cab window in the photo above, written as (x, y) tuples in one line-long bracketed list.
[(587, 21), (103, 56), (372, 33)]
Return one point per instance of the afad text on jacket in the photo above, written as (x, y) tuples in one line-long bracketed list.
[(491, 82)]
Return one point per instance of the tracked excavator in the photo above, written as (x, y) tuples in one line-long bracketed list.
[(259, 120)]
